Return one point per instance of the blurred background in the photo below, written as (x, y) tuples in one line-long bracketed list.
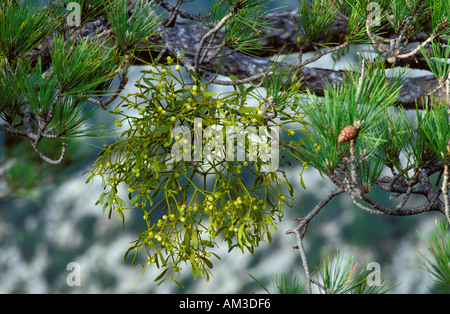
[(48, 219)]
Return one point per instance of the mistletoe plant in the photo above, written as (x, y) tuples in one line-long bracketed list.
[(178, 160), (189, 205)]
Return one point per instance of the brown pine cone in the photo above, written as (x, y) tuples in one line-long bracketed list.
[(348, 133)]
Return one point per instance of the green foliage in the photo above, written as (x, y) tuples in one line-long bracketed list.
[(83, 67), (89, 9), (283, 87), (39, 101), (396, 127), (9, 96), (76, 73), (284, 284), (22, 28), (355, 102), (315, 18), (189, 205), (439, 16), (287, 284), (72, 118), (130, 30), (401, 11), (438, 60), (243, 28), (438, 266), (39, 90), (356, 11), (436, 127), (335, 275)]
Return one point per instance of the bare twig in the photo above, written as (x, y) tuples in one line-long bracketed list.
[(47, 159), (445, 191), (356, 184), (363, 72), (175, 11), (211, 32), (407, 23), (303, 223)]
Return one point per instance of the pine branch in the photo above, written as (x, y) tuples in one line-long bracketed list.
[(282, 34)]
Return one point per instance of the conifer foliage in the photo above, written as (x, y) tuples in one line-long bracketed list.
[(177, 140)]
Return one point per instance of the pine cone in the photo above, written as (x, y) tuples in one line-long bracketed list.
[(348, 133)]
